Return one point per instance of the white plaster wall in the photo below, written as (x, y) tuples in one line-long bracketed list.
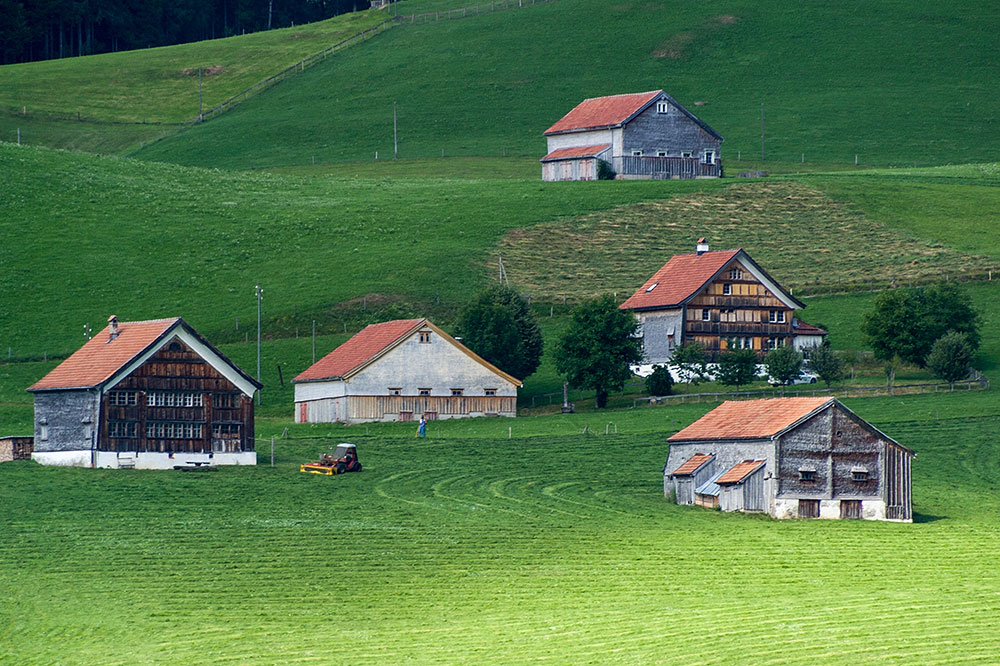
[(437, 365), (157, 460), (76, 458), (593, 138), (800, 342), (318, 390), (871, 509)]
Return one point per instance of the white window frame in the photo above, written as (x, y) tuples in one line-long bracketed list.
[(727, 290), (709, 157), (661, 153), (636, 153), (706, 315), (687, 153), (663, 106)]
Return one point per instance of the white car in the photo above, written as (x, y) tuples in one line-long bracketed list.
[(802, 378)]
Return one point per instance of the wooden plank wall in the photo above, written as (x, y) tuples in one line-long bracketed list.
[(377, 406)]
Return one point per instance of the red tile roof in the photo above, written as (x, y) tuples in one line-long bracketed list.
[(369, 342), (679, 279), (739, 471), (100, 358), (575, 152), (802, 328), (600, 112), (693, 463), (750, 419)]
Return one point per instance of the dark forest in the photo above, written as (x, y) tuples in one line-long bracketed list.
[(44, 29)]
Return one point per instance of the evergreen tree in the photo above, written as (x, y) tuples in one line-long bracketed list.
[(500, 327)]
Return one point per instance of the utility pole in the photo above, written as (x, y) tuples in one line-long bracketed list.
[(762, 131), (395, 141), (201, 106), (314, 341), (259, 293)]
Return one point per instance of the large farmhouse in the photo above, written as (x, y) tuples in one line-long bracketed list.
[(145, 394), (399, 371), (640, 135), (721, 299), (790, 457)]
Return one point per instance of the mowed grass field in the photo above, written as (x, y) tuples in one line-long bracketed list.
[(469, 549)]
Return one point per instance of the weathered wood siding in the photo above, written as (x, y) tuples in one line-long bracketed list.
[(665, 168), (574, 169), (377, 407), (672, 132), (225, 416), (898, 484), (832, 444), (745, 496), (16, 448), (745, 313)]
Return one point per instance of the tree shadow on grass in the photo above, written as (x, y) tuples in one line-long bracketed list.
[(926, 518)]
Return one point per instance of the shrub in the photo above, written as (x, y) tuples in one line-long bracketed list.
[(660, 382)]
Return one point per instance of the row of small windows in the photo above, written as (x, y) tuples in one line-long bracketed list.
[(708, 157), (426, 392), (857, 474), (774, 316), (172, 430), (171, 399)]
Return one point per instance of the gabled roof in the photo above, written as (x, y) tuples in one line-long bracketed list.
[(615, 111), (751, 419), (685, 275), (102, 358), (740, 471), (575, 152), (692, 464), (799, 327), (373, 342), (602, 112)]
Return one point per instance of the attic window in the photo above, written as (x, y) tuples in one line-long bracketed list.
[(686, 153), (175, 347), (807, 475), (662, 107), (727, 290), (489, 391), (651, 287), (636, 153), (424, 392), (661, 153), (425, 336), (395, 391), (736, 274), (859, 474), (457, 392)]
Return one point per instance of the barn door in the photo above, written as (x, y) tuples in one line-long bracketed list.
[(850, 509)]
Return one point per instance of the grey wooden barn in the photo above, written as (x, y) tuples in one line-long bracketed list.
[(790, 457), (639, 136)]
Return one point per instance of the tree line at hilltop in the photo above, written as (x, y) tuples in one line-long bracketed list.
[(45, 29)]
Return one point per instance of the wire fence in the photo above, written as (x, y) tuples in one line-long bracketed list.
[(978, 382), (465, 12)]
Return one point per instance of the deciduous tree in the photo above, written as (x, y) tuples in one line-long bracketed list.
[(783, 364), (500, 327), (598, 347), (737, 367), (950, 357)]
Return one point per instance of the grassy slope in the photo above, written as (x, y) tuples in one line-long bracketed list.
[(154, 86), (833, 85), (470, 549), (161, 84)]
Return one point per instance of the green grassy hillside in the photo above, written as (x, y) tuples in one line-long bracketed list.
[(549, 547), (127, 97), (834, 84)]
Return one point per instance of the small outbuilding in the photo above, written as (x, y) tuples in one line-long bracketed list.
[(790, 457), (16, 448), (145, 394), (401, 371)]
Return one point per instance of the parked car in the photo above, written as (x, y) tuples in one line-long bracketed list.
[(802, 378)]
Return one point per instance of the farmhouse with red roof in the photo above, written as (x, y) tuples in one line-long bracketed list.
[(790, 457), (145, 394), (722, 299), (400, 371), (639, 135)]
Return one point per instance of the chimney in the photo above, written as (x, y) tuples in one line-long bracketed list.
[(113, 323), (702, 247)]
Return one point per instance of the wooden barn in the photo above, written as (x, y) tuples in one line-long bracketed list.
[(640, 136), (722, 299), (148, 395), (790, 457), (400, 371), (16, 448)]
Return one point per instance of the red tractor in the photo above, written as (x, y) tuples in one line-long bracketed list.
[(341, 461)]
